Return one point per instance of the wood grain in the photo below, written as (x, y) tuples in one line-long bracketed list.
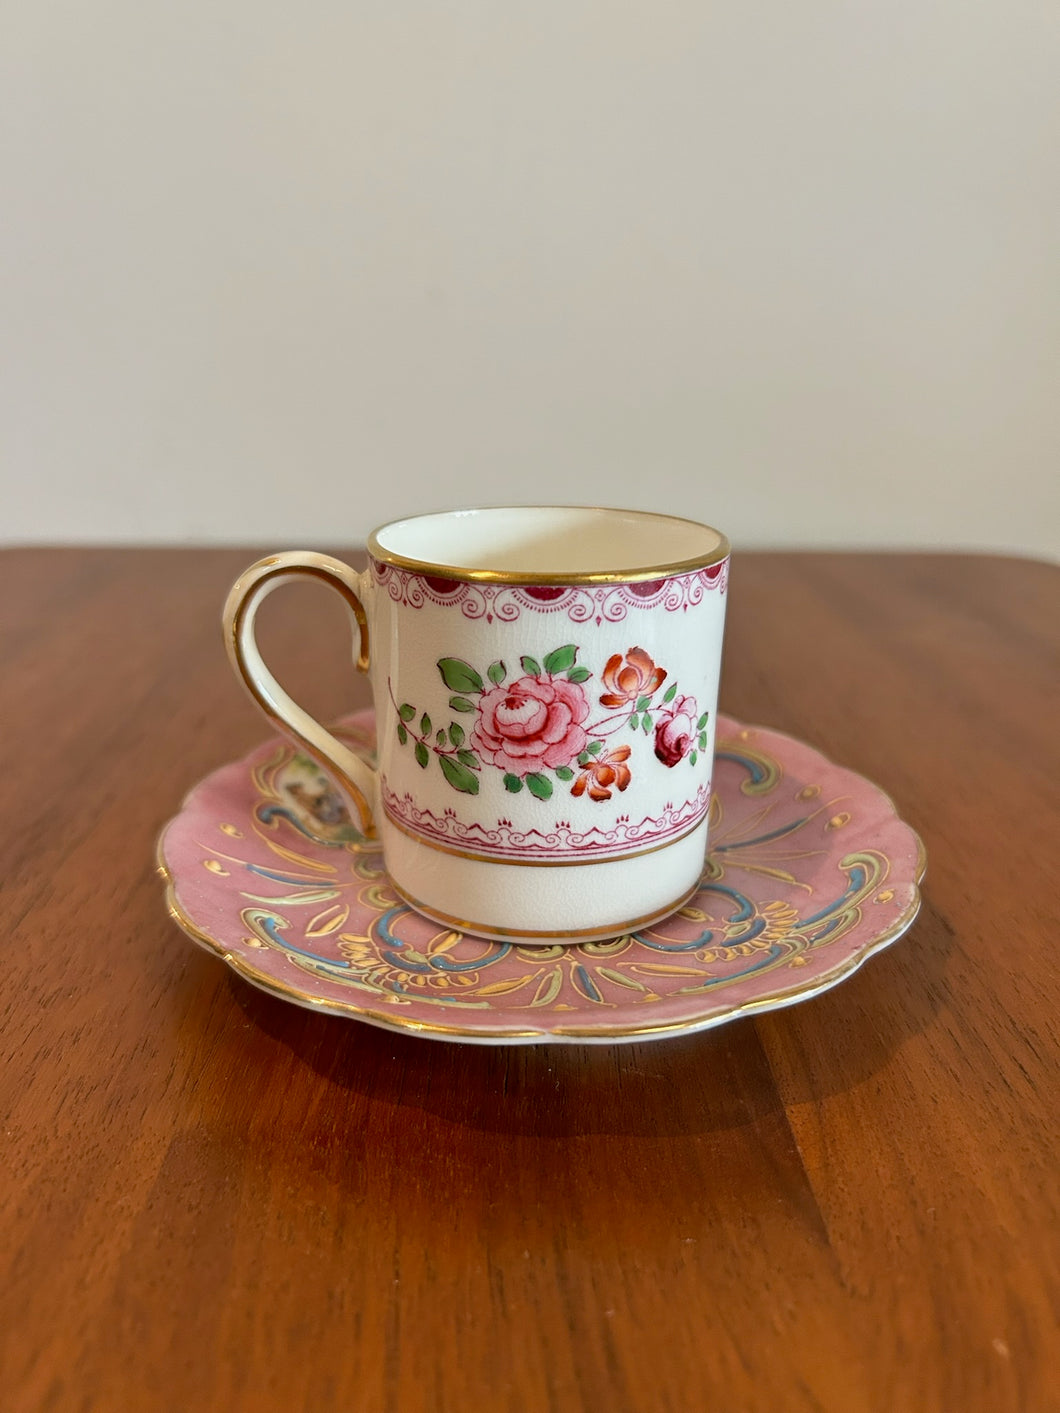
[(212, 1200)]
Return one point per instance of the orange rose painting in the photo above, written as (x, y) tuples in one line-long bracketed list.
[(602, 773), (629, 680)]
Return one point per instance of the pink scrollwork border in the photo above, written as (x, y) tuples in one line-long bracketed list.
[(561, 842), (606, 603)]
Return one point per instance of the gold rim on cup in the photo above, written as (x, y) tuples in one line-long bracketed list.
[(673, 570)]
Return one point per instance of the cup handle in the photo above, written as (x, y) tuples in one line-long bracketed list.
[(355, 777)]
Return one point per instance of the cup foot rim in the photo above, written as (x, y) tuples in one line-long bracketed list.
[(550, 937)]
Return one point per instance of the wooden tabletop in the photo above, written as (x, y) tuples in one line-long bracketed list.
[(210, 1199)]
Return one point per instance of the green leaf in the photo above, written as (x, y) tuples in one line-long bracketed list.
[(403, 735), (620, 979), (564, 772), (595, 747), (579, 674), (407, 712), (548, 988), (702, 740), (634, 721), (461, 704), (693, 757), (421, 754), (531, 666), (440, 738), (459, 676), (671, 692), (459, 777), (456, 733), (470, 759), (642, 704), (496, 672), (645, 722), (585, 758), (702, 721), (425, 725), (561, 660), (539, 785), (512, 784)]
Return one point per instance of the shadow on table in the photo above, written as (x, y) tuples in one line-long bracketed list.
[(738, 1074)]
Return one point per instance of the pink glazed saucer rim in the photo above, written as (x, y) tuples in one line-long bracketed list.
[(810, 872)]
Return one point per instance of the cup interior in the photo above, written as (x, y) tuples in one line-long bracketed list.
[(557, 543)]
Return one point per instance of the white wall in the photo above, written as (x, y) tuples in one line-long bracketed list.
[(278, 271)]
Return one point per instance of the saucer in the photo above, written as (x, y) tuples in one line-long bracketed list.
[(809, 872)]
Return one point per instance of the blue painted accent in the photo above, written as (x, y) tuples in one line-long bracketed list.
[(755, 930), (764, 960), (745, 908), (756, 771), (286, 877), (268, 814), (587, 982), (397, 945), (744, 913), (268, 926), (826, 931), (444, 963), (657, 946), (858, 879), (762, 838)]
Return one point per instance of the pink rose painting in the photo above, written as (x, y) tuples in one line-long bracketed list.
[(675, 730), (534, 728), (535, 724)]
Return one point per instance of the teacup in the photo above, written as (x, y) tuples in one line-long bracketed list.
[(545, 683)]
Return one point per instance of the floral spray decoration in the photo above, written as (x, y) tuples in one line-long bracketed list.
[(539, 727)]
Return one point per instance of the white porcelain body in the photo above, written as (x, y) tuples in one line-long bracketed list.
[(566, 797)]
